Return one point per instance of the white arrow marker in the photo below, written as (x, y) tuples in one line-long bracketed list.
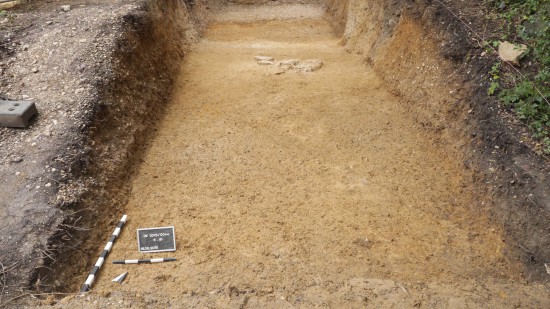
[(120, 278)]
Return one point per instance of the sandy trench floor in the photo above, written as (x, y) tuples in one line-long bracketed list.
[(279, 184)]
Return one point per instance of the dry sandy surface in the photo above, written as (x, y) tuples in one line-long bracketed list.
[(302, 189)]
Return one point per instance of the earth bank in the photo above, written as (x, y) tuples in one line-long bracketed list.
[(437, 65), (96, 65)]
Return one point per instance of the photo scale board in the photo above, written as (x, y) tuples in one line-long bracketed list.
[(156, 239)]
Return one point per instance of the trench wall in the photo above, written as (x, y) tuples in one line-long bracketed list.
[(428, 58), (129, 99)]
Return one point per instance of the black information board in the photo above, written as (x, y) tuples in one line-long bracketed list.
[(156, 239)]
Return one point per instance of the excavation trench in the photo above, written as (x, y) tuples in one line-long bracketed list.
[(281, 180), (295, 185)]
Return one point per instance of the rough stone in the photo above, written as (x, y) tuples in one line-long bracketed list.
[(16, 159), (66, 8), (511, 52), (265, 62), (9, 4), (298, 65), (309, 65), (266, 58)]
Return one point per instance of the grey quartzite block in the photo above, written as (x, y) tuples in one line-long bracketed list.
[(16, 113)]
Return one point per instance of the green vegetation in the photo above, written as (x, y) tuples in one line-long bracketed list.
[(4, 14), (526, 22)]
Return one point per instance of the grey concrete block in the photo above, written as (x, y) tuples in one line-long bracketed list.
[(16, 113)]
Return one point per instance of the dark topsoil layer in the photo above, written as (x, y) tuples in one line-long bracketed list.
[(103, 78), (499, 152)]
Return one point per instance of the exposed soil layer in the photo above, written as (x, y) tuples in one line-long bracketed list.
[(385, 178), (304, 189), (426, 55)]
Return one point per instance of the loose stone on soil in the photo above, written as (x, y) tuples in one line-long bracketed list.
[(265, 62), (298, 65), (289, 62), (511, 52), (261, 58), (309, 65), (66, 8)]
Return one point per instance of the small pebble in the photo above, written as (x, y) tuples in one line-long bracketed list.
[(263, 58), (265, 62)]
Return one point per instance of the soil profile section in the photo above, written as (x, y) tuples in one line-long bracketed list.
[(289, 183), (426, 56), (131, 96)]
